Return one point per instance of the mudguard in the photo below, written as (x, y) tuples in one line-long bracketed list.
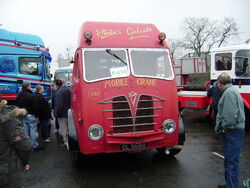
[(181, 139), (72, 135)]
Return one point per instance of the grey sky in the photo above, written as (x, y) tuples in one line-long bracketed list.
[(58, 21)]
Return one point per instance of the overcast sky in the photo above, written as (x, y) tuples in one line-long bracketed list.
[(58, 22)]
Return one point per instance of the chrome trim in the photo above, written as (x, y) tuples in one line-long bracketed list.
[(149, 108), (117, 110), (148, 116), (134, 132), (141, 124), (112, 102), (131, 117), (119, 118)]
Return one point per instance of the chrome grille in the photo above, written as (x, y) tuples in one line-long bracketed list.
[(122, 119)]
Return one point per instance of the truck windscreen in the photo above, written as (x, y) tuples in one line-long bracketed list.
[(155, 63)]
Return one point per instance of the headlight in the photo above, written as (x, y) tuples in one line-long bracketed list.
[(168, 126), (95, 132)]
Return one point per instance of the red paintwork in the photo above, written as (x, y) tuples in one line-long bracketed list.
[(107, 34), (9, 96), (86, 97), (246, 99), (193, 101)]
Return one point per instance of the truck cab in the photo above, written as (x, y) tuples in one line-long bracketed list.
[(123, 94), (234, 60), (23, 58)]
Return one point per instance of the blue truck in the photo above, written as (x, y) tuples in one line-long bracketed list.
[(23, 58), (64, 74)]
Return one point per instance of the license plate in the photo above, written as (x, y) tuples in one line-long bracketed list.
[(191, 104), (126, 147)]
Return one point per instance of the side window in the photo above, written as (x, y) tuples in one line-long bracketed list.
[(7, 64), (223, 61), (242, 63), (29, 65)]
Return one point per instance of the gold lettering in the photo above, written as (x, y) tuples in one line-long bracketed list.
[(146, 82), (137, 32), (104, 33), (116, 83)]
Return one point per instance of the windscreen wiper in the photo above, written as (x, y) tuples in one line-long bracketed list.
[(114, 55)]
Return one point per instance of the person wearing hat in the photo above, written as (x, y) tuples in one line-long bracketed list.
[(16, 147), (61, 106)]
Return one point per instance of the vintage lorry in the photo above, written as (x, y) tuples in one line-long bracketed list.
[(23, 58), (123, 94)]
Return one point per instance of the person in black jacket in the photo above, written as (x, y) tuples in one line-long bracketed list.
[(28, 101), (61, 106), (44, 113), (214, 92), (15, 146)]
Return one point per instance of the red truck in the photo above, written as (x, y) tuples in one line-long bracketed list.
[(123, 93)]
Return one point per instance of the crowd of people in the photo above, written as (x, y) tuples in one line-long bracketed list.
[(22, 126), (19, 135)]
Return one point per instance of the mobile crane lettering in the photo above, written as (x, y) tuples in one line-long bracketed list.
[(124, 82)]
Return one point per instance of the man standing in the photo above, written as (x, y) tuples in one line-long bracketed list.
[(61, 106), (230, 124), (16, 147), (214, 92), (44, 113), (26, 100)]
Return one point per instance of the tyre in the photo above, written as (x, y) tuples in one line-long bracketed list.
[(170, 152)]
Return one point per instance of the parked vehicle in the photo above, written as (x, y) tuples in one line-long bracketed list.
[(22, 58), (64, 74), (233, 60), (124, 95)]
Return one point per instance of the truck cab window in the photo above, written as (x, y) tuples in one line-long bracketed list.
[(29, 65), (242, 63), (223, 61), (102, 65)]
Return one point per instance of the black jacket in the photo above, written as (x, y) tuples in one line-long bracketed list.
[(15, 146), (44, 107), (28, 101), (62, 102)]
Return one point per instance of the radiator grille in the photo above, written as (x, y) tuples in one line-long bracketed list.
[(124, 122)]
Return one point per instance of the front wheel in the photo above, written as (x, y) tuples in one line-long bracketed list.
[(169, 152)]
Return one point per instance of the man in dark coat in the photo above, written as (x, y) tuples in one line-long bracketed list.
[(61, 106), (28, 101), (44, 113), (15, 146)]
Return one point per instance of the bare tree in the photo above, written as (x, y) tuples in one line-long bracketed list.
[(228, 29), (174, 44), (201, 34)]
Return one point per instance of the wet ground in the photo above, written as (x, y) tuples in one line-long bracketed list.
[(198, 165)]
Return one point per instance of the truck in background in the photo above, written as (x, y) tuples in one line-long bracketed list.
[(123, 94), (64, 74), (233, 60), (23, 58)]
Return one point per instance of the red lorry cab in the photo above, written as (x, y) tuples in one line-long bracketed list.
[(124, 95)]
